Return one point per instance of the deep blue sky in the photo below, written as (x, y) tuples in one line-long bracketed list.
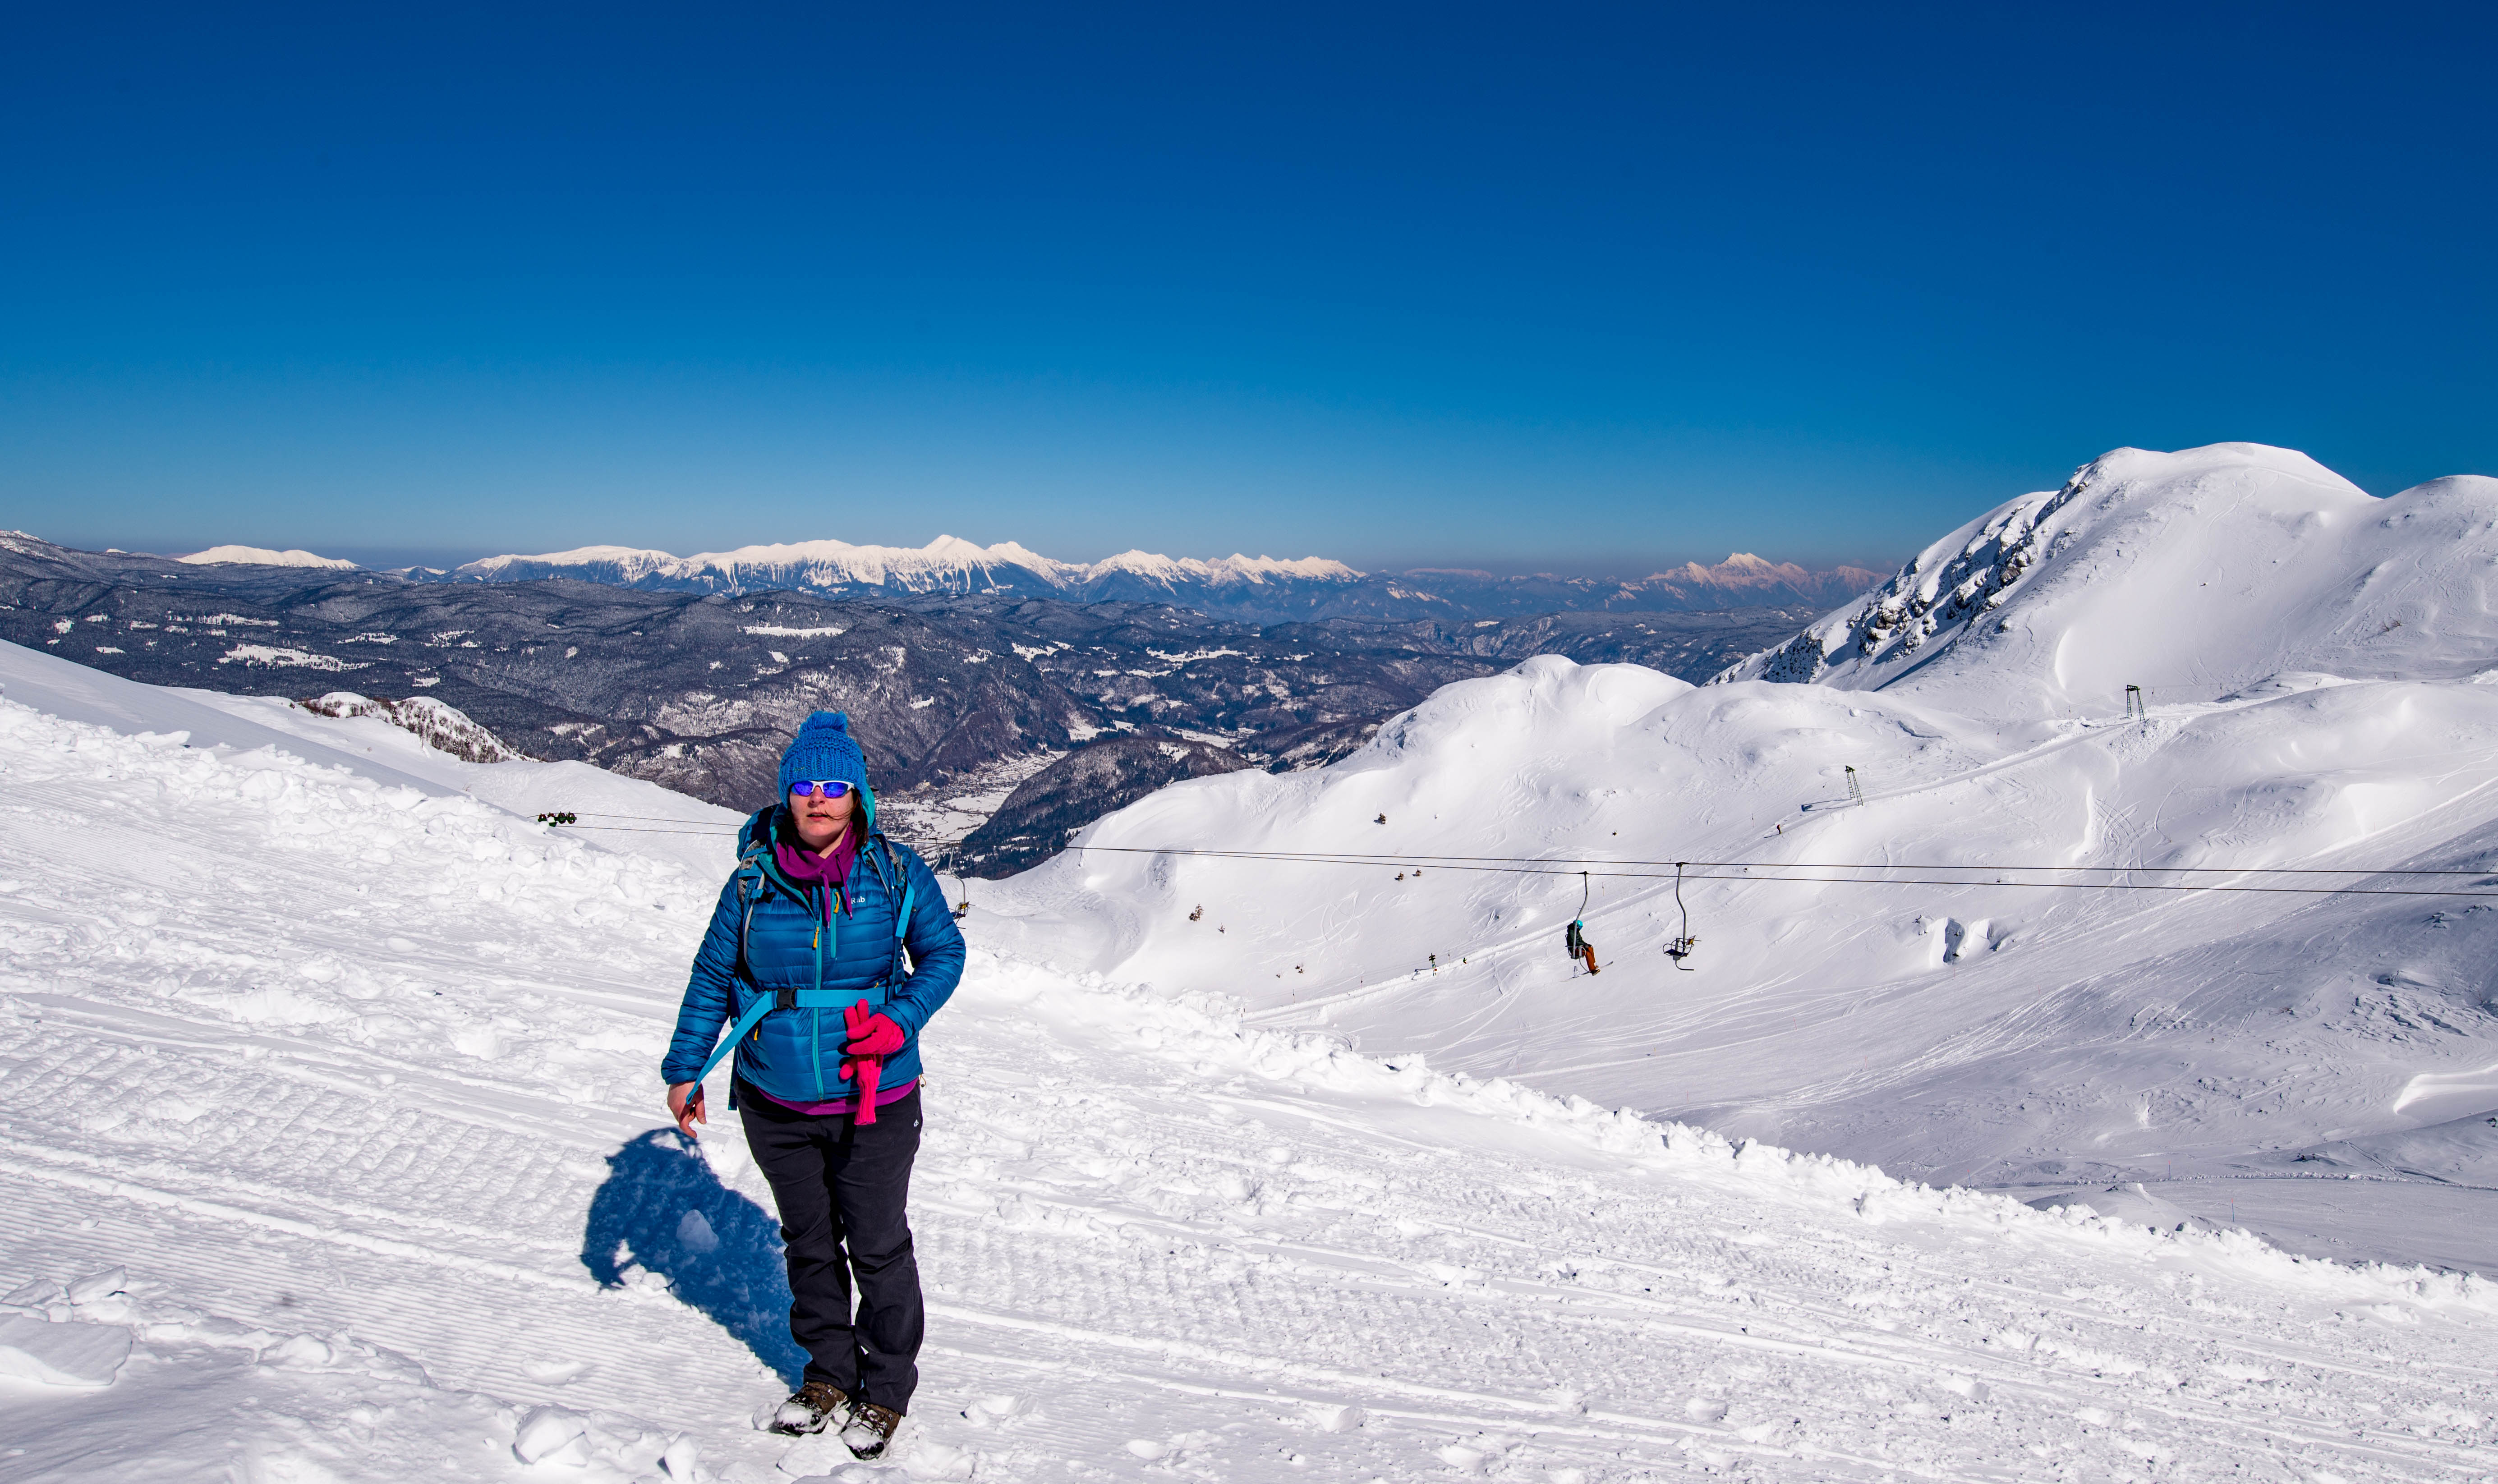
[(1585, 288)]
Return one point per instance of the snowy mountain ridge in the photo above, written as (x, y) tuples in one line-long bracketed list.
[(947, 565), (1262, 590)]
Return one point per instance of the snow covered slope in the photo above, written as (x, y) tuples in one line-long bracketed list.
[(1987, 972), (687, 830), (329, 1153)]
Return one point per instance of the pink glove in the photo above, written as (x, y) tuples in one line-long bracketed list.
[(873, 1037), (872, 1033)]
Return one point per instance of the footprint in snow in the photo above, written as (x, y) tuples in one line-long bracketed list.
[(993, 1411)]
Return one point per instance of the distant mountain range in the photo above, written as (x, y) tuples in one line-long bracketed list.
[(1249, 589), (1075, 708)]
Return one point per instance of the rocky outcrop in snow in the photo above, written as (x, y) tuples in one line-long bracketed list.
[(443, 728), (1927, 596)]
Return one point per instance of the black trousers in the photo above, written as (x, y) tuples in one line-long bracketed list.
[(842, 1187)]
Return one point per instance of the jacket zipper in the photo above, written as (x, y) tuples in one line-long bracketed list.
[(816, 1015)]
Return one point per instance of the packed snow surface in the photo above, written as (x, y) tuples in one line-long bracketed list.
[(2055, 948), (331, 1096), (262, 557)]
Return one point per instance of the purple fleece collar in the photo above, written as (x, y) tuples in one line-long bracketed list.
[(808, 869)]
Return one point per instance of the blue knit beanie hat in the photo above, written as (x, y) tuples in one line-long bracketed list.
[(824, 749)]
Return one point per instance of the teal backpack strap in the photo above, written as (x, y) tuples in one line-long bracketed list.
[(748, 878), (893, 974), (902, 913), (745, 1026)]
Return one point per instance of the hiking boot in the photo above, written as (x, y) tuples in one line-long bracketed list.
[(810, 1408), (871, 1430)]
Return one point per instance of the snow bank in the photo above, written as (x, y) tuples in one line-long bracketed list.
[(70, 1354)]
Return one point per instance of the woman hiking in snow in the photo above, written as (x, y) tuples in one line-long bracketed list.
[(806, 953)]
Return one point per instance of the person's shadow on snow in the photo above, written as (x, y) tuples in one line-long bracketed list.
[(662, 1211)]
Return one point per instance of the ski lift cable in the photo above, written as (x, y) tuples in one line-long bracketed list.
[(648, 831), (647, 819), (1370, 858), (1499, 866)]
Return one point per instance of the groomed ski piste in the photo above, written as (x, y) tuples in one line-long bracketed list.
[(333, 1152)]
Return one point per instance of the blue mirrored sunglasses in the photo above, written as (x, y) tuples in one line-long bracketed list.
[(832, 788)]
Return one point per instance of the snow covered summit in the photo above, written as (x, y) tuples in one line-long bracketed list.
[(2190, 575), (262, 557)]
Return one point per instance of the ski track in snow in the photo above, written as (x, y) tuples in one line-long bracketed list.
[(355, 1085)]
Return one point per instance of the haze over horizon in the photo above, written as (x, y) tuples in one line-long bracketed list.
[(1464, 290)]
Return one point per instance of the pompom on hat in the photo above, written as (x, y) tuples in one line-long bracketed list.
[(823, 750)]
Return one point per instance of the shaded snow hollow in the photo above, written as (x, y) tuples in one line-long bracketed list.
[(333, 1098)]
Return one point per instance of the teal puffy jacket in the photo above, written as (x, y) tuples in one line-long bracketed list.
[(766, 938)]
